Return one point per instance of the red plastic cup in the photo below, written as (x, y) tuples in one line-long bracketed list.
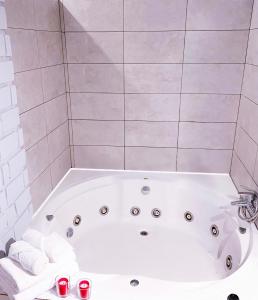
[(62, 286), (83, 287)]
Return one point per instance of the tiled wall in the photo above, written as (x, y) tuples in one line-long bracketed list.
[(244, 169), (155, 85), (15, 201), (34, 28)]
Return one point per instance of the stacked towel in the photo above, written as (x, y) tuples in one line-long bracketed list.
[(30, 258), (21, 285), (55, 247)]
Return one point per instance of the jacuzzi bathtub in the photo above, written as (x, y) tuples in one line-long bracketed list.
[(154, 235)]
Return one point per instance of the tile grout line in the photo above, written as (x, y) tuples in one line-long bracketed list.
[(124, 76), (241, 88), (181, 88)]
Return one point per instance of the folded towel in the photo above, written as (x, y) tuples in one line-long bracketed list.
[(30, 258), (35, 238), (56, 248), (15, 281)]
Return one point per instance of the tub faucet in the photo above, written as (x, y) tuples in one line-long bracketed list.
[(247, 205)]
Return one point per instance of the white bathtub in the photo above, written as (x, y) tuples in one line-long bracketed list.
[(170, 256)]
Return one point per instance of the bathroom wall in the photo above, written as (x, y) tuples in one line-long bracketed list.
[(34, 28), (15, 201), (155, 85), (244, 169)]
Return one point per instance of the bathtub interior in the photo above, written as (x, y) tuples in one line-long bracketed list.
[(195, 238)]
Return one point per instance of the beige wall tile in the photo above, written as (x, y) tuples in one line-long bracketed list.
[(151, 134), (246, 149), (151, 107), (29, 95), (47, 15), (20, 13), (250, 83), (150, 159), (252, 53), (56, 112), (99, 157), (240, 175), (206, 135), (219, 14), (248, 117), (93, 15), (25, 49), (105, 133), (40, 189), (50, 48), (144, 15), (153, 78), (53, 82), (58, 141), (94, 47), (215, 46), (96, 78), (209, 108), (33, 123), (212, 78), (60, 166), (97, 106), (154, 47), (37, 159), (202, 160)]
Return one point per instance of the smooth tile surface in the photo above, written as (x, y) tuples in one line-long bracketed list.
[(29, 95), (250, 83), (25, 49), (37, 159), (212, 78), (254, 23), (97, 106), (58, 141), (105, 133), (154, 47), (99, 157), (151, 107), (252, 53), (60, 166), (248, 117), (144, 15), (93, 15), (94, 47), (202, 160), (153, 78), (215, 46), (56, 112), (209, 108), (151, 134), (150, 159), (218, 14), (33, 123), (246, 149), (53, 82), (50, 48), (47, 15), (96, 78), (206, 135)]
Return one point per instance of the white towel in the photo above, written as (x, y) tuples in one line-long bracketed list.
[(30, 258), (35, 238), (56, 248), (15, 281)]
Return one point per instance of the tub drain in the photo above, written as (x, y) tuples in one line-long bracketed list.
[(134, 282)]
